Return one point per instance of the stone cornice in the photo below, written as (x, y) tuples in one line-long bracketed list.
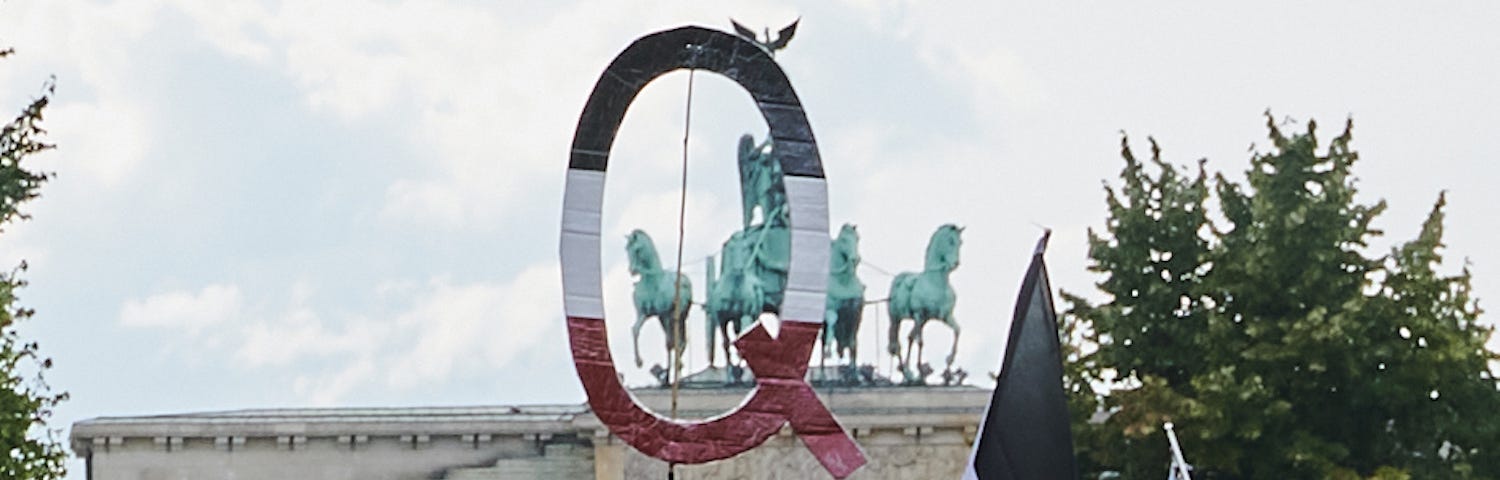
[(914, 410)]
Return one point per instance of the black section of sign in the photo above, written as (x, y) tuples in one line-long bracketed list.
[(703, 49)]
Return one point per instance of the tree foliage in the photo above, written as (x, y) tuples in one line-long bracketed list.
[(28, 450), (1265, 331)]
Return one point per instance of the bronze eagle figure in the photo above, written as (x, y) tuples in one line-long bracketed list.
[(783, 37)]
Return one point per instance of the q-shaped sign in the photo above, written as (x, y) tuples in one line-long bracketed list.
[(781, 394)]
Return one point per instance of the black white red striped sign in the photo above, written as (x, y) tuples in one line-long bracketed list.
[(781, 395)]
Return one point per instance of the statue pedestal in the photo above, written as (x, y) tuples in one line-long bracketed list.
[(820, 377), (906, 432)]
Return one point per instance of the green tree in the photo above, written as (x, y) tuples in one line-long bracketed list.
[(1268, 335), (30, 449)]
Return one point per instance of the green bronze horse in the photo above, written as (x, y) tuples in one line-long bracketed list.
[(846, 297), (654, 296), (924, 296), (735, 298)]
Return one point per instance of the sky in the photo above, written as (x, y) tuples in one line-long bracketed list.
[(357, 203)]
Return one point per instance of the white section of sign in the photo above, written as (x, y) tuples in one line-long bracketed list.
[(807, 282), (583, 282)]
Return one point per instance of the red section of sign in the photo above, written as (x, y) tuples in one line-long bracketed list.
[(780, 367), (781, 395)]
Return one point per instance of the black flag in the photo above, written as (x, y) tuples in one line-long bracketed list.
[(1026, 435)]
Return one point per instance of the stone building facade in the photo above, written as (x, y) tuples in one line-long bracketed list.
[(906, 432)]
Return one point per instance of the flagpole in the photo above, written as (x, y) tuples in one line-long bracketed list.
[(1180, 469)]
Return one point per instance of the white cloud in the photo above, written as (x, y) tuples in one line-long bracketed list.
[(482, 92), (209, 306), (461, 70), (992, 75), (446, 329), (102, 131), (19, 243), (104, 141), (965, 51), (327, 391), (449, 324), (236, 28), (301, 334), (478, 324), (424, 202)]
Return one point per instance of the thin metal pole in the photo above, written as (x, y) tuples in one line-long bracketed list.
[(675, 370)]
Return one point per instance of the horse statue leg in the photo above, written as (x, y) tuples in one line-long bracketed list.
[(635, 338), (669, 332), (830, 319), (893, 346), (710, 327), (727, 330), (953, 324), (679, 337), (913, 345), (729, 365), (917, 336), (853, 348)]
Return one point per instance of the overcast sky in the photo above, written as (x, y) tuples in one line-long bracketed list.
[(278, 204)]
